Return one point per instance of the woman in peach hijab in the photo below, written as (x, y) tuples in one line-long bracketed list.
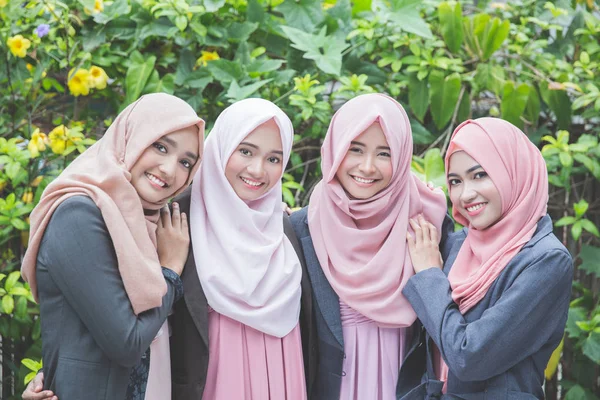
[(498, 308), (104, 262)]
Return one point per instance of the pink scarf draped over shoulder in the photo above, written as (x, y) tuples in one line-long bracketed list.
[(361, 244)]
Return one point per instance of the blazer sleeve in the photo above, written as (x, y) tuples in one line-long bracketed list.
[(515, 327), (78, 252)]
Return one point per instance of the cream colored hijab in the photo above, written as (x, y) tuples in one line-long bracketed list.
[(102, 173)]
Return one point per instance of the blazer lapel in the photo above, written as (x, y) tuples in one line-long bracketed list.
[(327, 299), (195, 298)]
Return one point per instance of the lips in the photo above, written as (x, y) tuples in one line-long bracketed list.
[(360, 181), (251, 183), (156, 181), (475, 209)]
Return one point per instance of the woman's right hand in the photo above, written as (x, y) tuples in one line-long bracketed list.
[(173, 239), (34, 391)]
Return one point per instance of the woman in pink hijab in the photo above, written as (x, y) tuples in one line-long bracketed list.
[(104, 261), (498, 308), (353, 234)]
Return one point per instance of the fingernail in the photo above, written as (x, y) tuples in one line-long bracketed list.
[(175, 204)]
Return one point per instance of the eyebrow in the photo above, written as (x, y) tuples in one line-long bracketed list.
[(256, 147), (363, 145), (473, 168), (173, 144)]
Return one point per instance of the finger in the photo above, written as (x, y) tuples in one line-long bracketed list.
[(418, 231), (176, 218), (434, 233), (165, 215), (430, 185), (424, 227), (411, 241), (184, 225)]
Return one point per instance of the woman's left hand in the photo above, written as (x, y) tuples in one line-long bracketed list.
[(423, 246)]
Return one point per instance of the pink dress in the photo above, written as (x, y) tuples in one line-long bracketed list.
[(246, 364), (373, 356)]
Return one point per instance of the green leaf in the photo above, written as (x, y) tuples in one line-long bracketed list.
[(420, 134), (418, 96), (450, 17), (359, 6), (13, 277), (576, 230), (29, 377), (590, 227), (464, 109), (18, 224), (405, 15), (576, 393), (495, 36), (533, 108), (589, 256), (18, 291), (565, 221), (112, 11), (137, 75), (580, 207), (213, 5), (565, 159), (443, 96), (164, 85), (514, 101), (255, 12), (237, 93), (8, 304), (226, 71), (240, 32), (326, 51), (31, 364), (558, 101), (263, 66), (302, 14), (591, 347), (434, 167)]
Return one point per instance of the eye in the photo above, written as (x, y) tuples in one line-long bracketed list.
[(480, 175), (453, 182), (160, 147), (245, 152), (274, 160), (355, 150), (186, 164), (385, 154)]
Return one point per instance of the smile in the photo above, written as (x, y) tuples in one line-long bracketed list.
[(475, 209), (156, 181), (363, 180), (251, 183)]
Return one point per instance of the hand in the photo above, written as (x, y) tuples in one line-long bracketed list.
[(286, 208), (173, 239), (34, 391), (423, 246)]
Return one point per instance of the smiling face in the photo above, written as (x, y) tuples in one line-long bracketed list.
[(164, 167), (256, 165), (472, 192), (367, 167)]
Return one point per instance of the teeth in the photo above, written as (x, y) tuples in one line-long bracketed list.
[(475, 208), (156, 180), (251, 183), (361, 180)]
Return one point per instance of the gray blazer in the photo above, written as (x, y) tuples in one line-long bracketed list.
[(499, 348), (330, 341), (90, 336)]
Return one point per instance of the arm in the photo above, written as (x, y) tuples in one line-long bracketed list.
[(81, 261), (514, 328)]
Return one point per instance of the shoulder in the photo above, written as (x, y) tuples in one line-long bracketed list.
[(550, 252), (299, 220), (74, 209), (184, 199)]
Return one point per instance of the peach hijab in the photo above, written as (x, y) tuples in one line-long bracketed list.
[(519, 172), (247, 267), (102, 173), (361, 244)]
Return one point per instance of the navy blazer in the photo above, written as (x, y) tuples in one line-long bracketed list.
[(189, 323), (499, 348), (330, 342)]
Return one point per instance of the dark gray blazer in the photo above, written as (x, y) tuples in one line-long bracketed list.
[(90, 336), (189, 325), (499, 348), (330, 342)]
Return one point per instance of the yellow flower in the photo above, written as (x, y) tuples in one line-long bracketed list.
[(98, 6), (2, 184), (327, 6), (37, 143), (29, 67), (206, 57), (18, 45), (36, 182), (27, 197), (3, 3), (98, 78), (79, 83), (58, 139)]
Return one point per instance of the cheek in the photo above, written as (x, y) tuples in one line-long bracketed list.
[(386, 170), (275, 171), (343, 169), (234, 166)]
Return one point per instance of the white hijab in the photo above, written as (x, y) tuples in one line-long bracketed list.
[(248, 268)]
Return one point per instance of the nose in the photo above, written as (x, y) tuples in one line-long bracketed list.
[(168, 168), (255, 168), (468, 193), (367, 166)]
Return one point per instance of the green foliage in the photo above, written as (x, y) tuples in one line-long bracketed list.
[(532, 62)]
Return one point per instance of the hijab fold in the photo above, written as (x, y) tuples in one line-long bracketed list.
[(361, 244), (248, 268), (102, 173)]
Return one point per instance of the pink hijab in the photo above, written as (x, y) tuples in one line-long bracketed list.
[(519, 172), (248, 268), (361, 244), (102, 173)]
